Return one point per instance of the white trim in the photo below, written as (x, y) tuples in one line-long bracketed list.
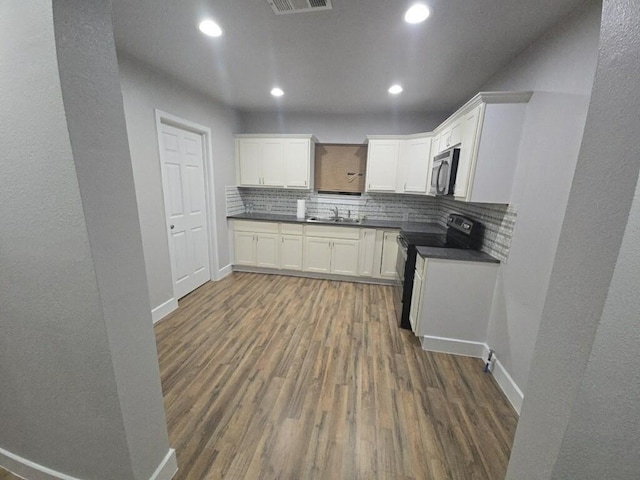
[(167, 468), (316, 275), (454, 346), (304, 136), (223, 272), (209, 184), (33, 471), (164, 309), (27, 469), (508, 386)]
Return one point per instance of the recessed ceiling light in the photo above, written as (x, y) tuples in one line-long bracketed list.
[(395, 89), (277, 92), (210, 28), (417, 14)]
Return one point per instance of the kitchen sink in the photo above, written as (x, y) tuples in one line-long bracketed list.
[(351, 221)]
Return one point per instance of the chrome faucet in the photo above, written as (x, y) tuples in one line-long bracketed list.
[(335, 212)]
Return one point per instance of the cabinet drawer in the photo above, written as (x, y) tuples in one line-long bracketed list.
[(323, 231), (257, 227), (291, 229)]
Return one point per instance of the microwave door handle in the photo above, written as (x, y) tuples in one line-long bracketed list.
[(438, 178)]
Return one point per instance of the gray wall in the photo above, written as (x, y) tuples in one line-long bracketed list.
[(144, 90), (331, 128), (80, 383), (580, 417), (560, 69)]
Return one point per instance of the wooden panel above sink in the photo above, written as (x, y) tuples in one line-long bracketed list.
[(340, 167)]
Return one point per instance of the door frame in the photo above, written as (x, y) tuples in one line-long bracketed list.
[(204, 132)]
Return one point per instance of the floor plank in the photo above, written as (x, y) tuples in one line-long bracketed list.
[(6, 475), (292, 378)]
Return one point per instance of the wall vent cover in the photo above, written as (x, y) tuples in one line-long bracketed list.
[(282, 7)]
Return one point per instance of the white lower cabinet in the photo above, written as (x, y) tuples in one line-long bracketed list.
[(453, 300), (291, 252), (389, 254), (326, 249), (344, 257), (244, 248), (329, 249), (416, 293), (366, 255), (267, 250), (255, 244), (291, 246), (317, 255)]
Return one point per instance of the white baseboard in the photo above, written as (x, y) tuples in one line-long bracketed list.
[(454, 346), (27, 469), (164, 309), (508, 386), (167, 468), (224, 271)]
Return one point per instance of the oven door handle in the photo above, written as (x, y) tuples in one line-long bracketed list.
[(402, 244)]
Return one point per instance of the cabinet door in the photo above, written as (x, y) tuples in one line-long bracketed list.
[(344, 257), (416, 165), (467, 151), (435, 146), (291, 252), (317, 255), (366, 252), (389, 255), (272, 163), (382, 165), (297, 163), (249, 161), (451, 136), (244, 248), (416, 301), (267, 250)]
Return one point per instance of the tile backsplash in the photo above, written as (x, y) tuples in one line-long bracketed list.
[(498, 220)]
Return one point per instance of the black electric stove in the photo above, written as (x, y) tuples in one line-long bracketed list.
[(461, 232)]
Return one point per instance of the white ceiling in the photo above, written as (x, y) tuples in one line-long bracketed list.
[(341, 60)]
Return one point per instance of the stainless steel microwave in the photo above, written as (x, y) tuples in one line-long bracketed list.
[(443, 172)]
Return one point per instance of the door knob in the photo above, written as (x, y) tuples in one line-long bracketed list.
[(172, 227)]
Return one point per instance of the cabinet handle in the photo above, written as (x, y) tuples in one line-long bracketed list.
[(405, 186), (305, 183)]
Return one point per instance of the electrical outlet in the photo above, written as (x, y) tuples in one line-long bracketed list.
[(268, 207), (405, 217)]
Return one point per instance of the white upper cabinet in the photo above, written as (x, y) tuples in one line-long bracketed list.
[(298, 163), (382, 165), (451, 135), (398, 165), (470, 123), (277, 161), (491, 128), (272, 163), (249, 154), (413, 165)]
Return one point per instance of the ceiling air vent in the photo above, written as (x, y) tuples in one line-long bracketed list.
[(299, 6)]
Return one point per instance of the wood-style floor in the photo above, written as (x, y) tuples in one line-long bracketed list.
[(273, 377), (5, 475)]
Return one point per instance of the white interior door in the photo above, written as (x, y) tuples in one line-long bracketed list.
[(185, 206)]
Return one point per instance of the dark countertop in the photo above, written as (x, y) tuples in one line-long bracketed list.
[(417, 227), (456, 254)]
